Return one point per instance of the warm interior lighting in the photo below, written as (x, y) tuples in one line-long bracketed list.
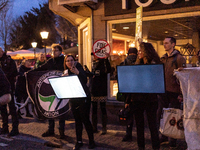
[(132, 44), (34, 44), (113, 29), (166, 32), (125, 28), (114, 52), (176, 35), (44, 34)]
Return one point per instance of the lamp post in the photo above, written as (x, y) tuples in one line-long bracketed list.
[(44, 35), (34, 45)]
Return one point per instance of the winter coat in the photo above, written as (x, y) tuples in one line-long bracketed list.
[(9, 68), (21, 81), (100, 69), (174, 61), (4, 84)]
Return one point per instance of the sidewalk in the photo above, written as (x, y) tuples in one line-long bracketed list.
[(112, 140)]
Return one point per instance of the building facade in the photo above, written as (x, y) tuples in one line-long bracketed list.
[(115, 22)]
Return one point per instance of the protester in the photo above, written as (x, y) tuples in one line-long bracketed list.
[(146, 102), (130, 60), (172, 60), (41, 60), (55, 63), (100, 69), (80, 107), (9, 67), (5, 92), (20, 91)]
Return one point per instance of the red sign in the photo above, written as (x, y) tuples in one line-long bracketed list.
[(101, 48)]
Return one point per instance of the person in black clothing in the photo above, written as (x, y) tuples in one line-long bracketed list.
[(9, 67), (55, 63), (20, 91), (80, 107), (100, 69), (130, 60), (5, 92), (146, 102)]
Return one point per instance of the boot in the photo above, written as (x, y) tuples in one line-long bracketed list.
[(94, 123), (104, 123), (62, 134), (128, 136)]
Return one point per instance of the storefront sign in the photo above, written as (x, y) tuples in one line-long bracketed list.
[(100, 48), (116, 7), (138, 29), (146, 4)]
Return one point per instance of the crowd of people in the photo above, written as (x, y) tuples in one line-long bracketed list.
[(152, 104)]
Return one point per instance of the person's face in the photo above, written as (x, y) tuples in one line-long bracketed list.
[(56, 52), (27, 64), (69, 62), (1, 52), (42, 58), (168, 45), (141, 53)]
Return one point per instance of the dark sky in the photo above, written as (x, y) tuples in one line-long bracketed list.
[(21, 6)]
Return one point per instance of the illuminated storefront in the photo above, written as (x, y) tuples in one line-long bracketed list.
[(115, 21)]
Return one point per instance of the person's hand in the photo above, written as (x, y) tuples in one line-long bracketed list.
[(126, 105), (180, 69), (74, 70)]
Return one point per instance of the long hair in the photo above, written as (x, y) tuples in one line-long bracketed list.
[(65, 66), (149, 53)]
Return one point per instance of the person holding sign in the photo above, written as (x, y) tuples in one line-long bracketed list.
[(100, 69), (80, 107), (146, 101)]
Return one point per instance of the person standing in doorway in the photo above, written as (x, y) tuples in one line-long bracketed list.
[(100, 69)]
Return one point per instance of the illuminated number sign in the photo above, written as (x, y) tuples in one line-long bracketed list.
[(146, 4)]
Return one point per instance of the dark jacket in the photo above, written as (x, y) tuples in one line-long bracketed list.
[(82, 77), (53, 64), (174, 61), (4, 84), (9, 67), (99, 81), (21, 81)]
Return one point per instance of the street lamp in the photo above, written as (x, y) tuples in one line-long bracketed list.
[(34, 45), (44, 35)]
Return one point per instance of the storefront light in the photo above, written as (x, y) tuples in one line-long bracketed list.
[(114, 52), (125, 28), (132, 45)]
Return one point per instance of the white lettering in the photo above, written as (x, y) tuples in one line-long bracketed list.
[(167, 1), (143, 4), (146, 4)]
